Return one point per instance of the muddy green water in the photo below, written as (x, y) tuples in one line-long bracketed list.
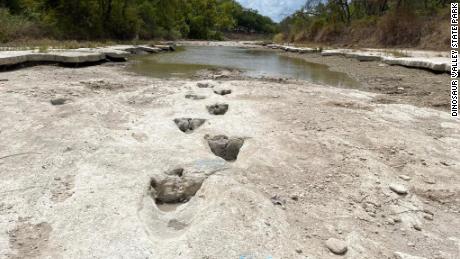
[(253, 62)]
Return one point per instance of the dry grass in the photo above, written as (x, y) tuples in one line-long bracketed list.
[(396, 29), (43, 49), (279, 38), (436, 32), (52, 44), (399, 28), (46, 44), (397, 53)]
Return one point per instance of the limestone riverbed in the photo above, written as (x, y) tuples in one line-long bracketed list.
[(101, 162)]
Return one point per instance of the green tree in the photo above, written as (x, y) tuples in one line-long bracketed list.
[(128, 19)]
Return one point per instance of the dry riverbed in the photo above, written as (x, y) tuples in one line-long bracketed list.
[(111, 169)]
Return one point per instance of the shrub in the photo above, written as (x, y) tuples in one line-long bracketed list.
[(315, 27), (14, 27), (330, 33), (43, 49), (125, 24), (300, 36), (278, 38), (399, 27)]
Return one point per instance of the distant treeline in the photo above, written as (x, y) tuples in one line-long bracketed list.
[(423, 23), (127, 19)]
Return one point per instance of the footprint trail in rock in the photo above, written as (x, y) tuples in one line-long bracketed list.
[(174, 188), (218, 109), (188, 125), (225, 147), (223, 91)]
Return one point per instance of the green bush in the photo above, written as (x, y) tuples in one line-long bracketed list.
[(128, 19), (16, 27), (315, 27), (279, 38), (124, 23), (407, 23), (399, 27)]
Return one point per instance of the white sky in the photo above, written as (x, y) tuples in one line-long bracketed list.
[(276, 9)]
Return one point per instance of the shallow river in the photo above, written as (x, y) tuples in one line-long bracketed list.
[(255, 63)]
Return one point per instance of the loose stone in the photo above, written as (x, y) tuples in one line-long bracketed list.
[(336, 246), (399, 255), (405, 177), (417, 227), (399, 189), (59, 101), (204, 85), (428, 217)]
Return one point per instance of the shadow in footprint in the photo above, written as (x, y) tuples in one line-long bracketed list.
[(176, 224), (195, 97), (59, 101), (188, 125), (204, 85), (225, 147), (175, 188), (165, 210), (223, 91), (217, 109)]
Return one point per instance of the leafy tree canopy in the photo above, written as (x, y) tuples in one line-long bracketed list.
[(129, 19)]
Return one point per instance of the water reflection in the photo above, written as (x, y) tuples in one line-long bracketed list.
[(255, 63)]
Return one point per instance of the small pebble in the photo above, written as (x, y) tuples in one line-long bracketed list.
[(428, 217), (336, 246), (429, 180), (399, 189), (399, 255), (405, 177), (59, 101)]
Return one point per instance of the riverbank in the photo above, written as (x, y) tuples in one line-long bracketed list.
[(89, 154), (435, 61), (394, 84), (13, 59)]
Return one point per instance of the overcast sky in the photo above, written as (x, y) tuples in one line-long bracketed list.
[(276, 9)]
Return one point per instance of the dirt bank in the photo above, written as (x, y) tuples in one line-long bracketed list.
[(395, 84), (107, 171)]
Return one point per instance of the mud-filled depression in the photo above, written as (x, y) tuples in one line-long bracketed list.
[(187, 61)]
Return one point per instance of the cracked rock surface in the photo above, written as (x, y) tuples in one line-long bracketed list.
[(317, 163)]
